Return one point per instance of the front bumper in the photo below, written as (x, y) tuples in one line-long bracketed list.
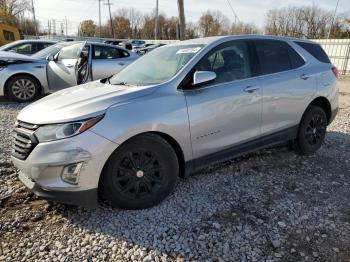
[(41, 171), (86, 198)]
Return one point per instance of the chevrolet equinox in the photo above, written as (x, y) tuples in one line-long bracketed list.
[(128, 138)]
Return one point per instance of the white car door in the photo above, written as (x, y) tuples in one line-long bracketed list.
[(61, 72), (109, 60)]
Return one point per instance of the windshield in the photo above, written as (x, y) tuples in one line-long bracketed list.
[(51, 50), (4, 47), (156, 67)]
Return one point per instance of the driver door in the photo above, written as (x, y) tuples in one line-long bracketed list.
[(227, 111), (62, 71)]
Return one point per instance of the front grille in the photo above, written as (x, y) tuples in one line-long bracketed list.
[(24, 140)]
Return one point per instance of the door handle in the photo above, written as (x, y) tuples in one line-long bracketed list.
[(121, 64), (250, 89), (70, 66), (305, 76)]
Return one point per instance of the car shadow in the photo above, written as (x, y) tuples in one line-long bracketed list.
[(226, 201)]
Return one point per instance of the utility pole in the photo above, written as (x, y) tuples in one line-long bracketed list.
[(182, 26), (33, 11), (49, 28), (333, 18), (156, 22), (54, 27), (110, 18), (66, 26), (99, 16)]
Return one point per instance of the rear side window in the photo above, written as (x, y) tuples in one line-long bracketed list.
[(106, 52), (316, 51), (276, 56)]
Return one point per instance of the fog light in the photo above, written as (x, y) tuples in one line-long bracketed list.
[(71, 172)]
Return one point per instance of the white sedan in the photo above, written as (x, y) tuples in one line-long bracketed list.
[(65, 64)]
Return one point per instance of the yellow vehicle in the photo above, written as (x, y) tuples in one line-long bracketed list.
[(8, 34)]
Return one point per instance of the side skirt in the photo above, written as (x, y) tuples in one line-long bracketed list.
[(242, 149)]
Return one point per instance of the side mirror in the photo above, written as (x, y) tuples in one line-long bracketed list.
[(50, 58), (201, 77)]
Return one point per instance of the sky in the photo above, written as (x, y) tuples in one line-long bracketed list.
[(251, 11)]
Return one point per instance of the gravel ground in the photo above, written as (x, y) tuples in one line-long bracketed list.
[(272, 205)]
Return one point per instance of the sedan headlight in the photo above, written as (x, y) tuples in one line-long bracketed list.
[(59, 131)]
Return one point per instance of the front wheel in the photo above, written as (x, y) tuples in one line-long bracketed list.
[(23, 88), (312, 130), (140, 174)]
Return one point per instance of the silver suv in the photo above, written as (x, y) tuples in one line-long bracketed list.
[(184, 106)]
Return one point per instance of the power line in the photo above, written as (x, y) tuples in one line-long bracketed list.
[(333, 18), (233, 11)]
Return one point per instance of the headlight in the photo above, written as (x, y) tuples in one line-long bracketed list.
[(60, 131)]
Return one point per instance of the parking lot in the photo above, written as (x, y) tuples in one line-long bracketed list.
[(272, 205)]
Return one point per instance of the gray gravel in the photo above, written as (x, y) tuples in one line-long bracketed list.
[(268, 206)]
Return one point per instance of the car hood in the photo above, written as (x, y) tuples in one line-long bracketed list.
[(5, 56), (80, 102)]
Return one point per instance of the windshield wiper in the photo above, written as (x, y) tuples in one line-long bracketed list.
[(120, 83)]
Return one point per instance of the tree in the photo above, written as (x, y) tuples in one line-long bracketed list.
[(87, 28), (244, 28), (213, 23), (305, 21), (121, 26)]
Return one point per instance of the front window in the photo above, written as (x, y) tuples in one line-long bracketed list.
[(51, 50), (156, 67)]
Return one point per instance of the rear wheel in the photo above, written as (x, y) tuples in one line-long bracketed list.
[(141, 173), (23, 88), (312, 131)]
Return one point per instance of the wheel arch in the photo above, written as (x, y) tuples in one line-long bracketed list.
[(169, 139), (323, 103), (18, 74)]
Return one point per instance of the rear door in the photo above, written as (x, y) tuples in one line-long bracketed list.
[(226, 112), (288, 85), (62, 72), (108, 60)]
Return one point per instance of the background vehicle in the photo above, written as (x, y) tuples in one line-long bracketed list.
[(113, 42), (22, 78), (27, 47), (148, 48), (8, 34), (136, 44), (171, 112)]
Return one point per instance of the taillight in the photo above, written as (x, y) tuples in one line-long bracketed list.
[(335, 71)]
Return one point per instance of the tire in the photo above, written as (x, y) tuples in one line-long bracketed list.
[(140, 174), (23, 88), (312, 130)]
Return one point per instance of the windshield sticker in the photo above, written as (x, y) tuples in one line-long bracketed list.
[(192, 50)]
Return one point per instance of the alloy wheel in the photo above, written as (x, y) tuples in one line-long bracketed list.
[(23, 89)]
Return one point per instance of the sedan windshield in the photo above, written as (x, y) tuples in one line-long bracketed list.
[(156, 67), (51, 50)]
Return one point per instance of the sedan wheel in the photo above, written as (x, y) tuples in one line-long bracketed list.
[(23, 88)]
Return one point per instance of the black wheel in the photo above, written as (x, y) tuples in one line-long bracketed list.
[(312, 130), (140, 174), (23, 88)]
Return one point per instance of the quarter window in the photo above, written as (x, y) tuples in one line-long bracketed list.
[(276, 56), (315, 50), (230, 61)]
